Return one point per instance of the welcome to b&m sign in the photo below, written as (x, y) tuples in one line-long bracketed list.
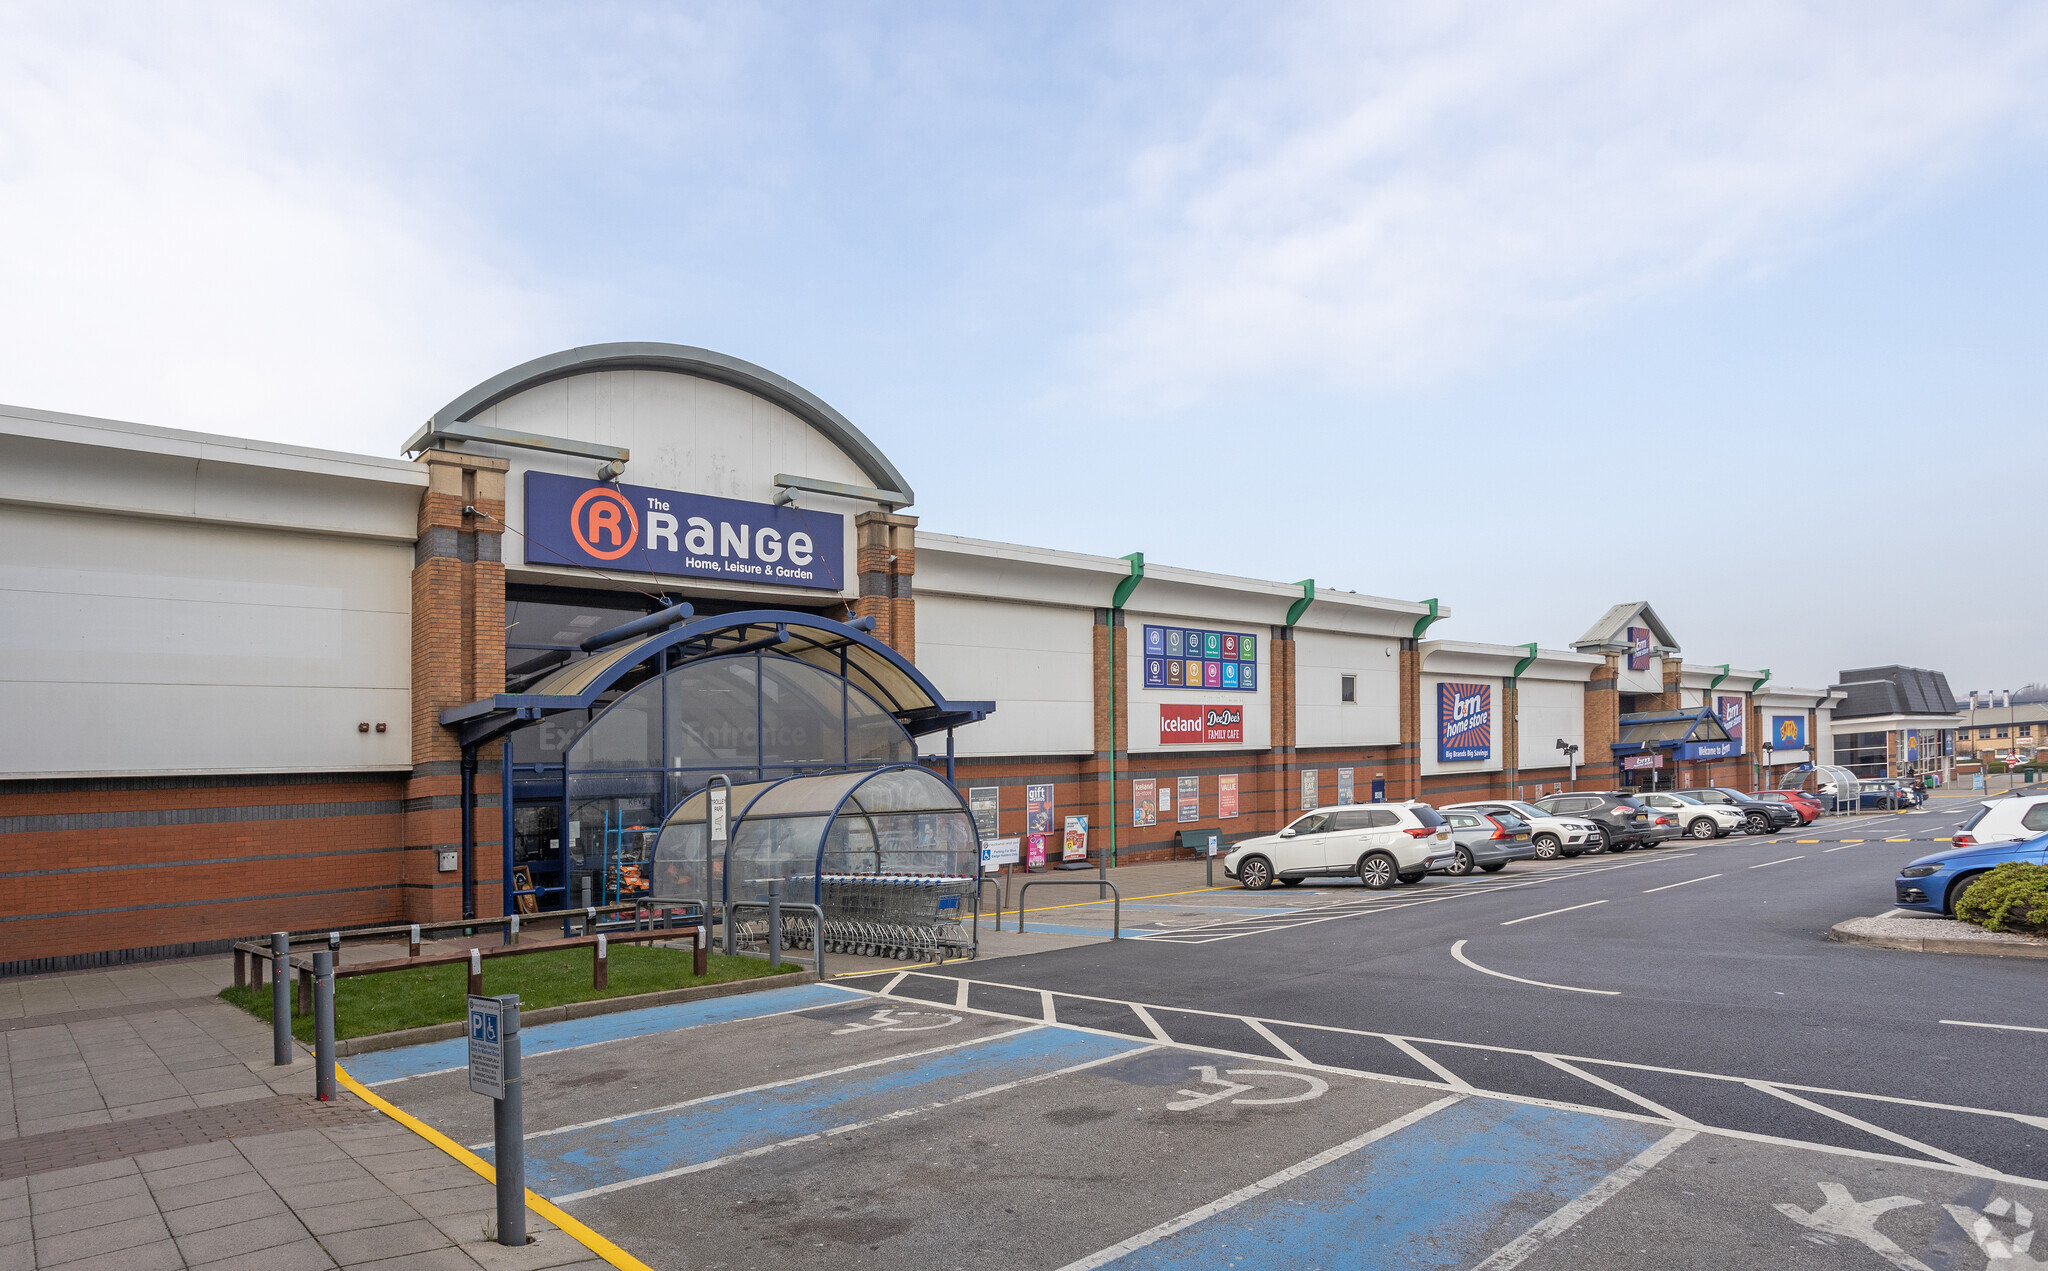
[(1464, 722)]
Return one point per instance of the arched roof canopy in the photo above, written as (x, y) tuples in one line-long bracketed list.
[(838, 647), (682, 359)]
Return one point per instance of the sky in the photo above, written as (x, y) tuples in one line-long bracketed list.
[(1739, 309)]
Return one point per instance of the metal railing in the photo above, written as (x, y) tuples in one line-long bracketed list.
[(1116, 913)]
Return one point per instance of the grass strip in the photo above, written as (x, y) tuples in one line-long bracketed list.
[(418, 996)]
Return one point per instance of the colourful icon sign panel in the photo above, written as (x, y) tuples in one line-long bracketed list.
[(1178, 657)]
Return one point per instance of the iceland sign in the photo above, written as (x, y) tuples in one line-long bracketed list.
[(638, 529), (1464, 722)]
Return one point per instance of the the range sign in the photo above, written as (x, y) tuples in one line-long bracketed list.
[(1638, 648), (1185, 725), (641, 530), (1464, 722)]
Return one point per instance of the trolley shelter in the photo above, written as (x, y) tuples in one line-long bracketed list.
[(814, 723)]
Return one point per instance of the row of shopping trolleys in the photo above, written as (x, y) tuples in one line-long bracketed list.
[(912, 917)]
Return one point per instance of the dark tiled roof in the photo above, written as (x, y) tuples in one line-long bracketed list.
[(1894, 690)]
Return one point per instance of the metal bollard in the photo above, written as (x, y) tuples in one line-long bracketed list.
[(586, 895), (509, 1134), (476, 973), (323, 1025), (413, 945), (280, 997), (512, 930), (600, 963), (334, 946), (700, 953), (775, 922)]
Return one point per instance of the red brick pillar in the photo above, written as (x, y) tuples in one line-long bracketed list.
[(458, 656), (1284, 705), (1603, 724), (1406, 782), (1111, 680), (887, 561)]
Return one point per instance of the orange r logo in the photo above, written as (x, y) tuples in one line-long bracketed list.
[(604, 523)]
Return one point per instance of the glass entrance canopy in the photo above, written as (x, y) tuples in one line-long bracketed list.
[(898, 820)]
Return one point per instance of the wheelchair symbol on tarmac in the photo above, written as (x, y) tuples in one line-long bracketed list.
[(899, 1022), (1192, 1099)]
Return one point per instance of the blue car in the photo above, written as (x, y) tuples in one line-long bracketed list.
[(1932, 883)]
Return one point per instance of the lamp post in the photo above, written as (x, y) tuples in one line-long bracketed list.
[(1770, 780), (1571, 752)]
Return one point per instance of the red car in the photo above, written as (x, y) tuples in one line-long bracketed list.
[(1808, 807)]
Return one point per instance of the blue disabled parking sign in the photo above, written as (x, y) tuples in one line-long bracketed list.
[(486, 1047)]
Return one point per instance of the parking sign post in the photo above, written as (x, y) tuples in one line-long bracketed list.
[(494, 1071), (280, 997)]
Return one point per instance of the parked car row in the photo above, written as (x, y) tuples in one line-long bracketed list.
[(2000, 830)]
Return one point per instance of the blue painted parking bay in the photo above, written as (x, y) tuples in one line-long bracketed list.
[(539, 1039), (1445, 1191), (639, 1147)]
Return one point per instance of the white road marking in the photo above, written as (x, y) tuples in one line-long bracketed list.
[(1689, 881), (1787, 860), (1192, 1099), (1458, 952), (2016, 1028), (1145, 1018), (848, 1128), (777, 1085), (897, 1021), (960, 997), (1843, 1215), (1865, 1126), (1516, 1251), (900, 977), (1172, 1225), (1623, 1091), (1292, 1055), (1444, 1074), (1843, 848), (1548, 912), (1045, 1004)]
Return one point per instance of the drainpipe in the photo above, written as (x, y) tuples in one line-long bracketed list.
[(1124, 588), (1752, 702), (1294, 614), (1423, 623), (1308, 597), (1514, 765)]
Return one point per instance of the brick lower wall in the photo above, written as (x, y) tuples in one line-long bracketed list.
[(109, 870)]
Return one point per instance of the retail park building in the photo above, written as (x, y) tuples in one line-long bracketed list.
[(254, 686)]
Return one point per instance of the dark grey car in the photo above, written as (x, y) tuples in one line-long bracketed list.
[(1486, 841)]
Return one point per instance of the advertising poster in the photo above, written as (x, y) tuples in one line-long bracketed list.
[(1165, 797), (1034, 851), (1038, 809), (1788, 732), (1308, 790), (1176, 657), (1076, 846), (1464, 722), (1226, 795), (1190, 798), (1145, 802), (981, 803), (1638, 648), (1731, 710), (1344, 786)]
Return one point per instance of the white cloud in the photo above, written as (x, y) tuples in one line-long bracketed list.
[(1401, 193), (172, 255)]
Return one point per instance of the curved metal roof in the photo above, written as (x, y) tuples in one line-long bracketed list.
[(885, 674), (682, 359)]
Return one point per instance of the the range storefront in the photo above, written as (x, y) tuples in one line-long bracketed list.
[(256, 686)]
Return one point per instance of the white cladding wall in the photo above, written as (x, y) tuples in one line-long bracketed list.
[(1143, 734), (1547, 710), (685, 433), (157, 646), (1650, 680), (1035, 662), (1432, 722), (1321, 716)]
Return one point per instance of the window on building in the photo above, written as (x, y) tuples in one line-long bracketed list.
[(2026, 730), (2001, 732), (1347, 689)]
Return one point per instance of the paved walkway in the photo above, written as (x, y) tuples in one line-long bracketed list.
[(147, 1128)]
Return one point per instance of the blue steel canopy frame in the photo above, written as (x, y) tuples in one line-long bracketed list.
[(845, 649)]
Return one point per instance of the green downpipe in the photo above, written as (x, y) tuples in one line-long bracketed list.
[(1300, 607), (1423, 623), (1123, 591), (1514, 705)]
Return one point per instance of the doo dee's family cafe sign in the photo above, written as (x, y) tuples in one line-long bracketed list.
[(1184, 725), (639, 529), (1464, 722)]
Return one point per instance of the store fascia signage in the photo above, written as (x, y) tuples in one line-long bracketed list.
[(1464, 715), (639, 529), (1187, 724), (1705, 750)]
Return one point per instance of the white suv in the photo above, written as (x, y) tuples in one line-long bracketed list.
[(1552, 836), (1700, 820), (1381, 843), (2005, 821)]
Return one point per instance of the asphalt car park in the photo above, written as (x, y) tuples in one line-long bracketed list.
[(1620, 1061)]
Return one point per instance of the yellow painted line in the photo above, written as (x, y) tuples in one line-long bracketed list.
[(1945, 839), (1083, 904), (1806, 840), (1852, 840), (1898, 840), (538, 1204)]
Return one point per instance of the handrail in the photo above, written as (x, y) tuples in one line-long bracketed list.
[(1116, 912)]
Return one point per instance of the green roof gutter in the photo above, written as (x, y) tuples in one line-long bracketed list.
[(1300, 607), (1423, 623), (1717, 679)]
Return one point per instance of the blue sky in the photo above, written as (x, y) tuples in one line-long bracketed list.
[(1740, 311)]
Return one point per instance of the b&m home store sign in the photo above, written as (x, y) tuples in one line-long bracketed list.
[(638, 529)]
